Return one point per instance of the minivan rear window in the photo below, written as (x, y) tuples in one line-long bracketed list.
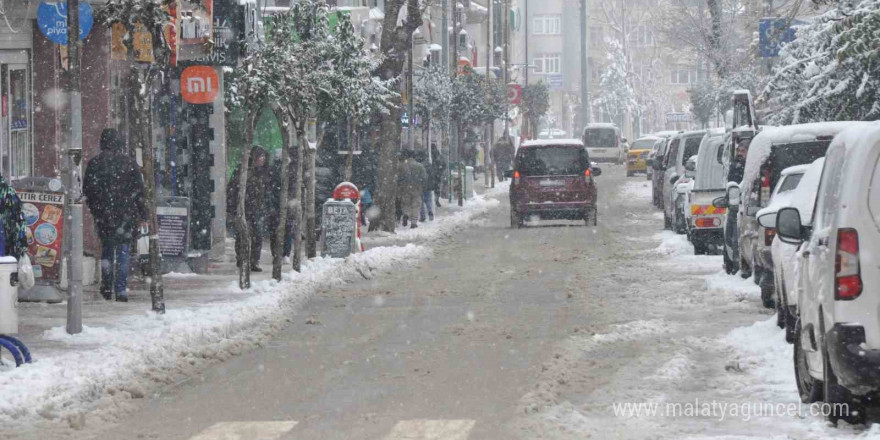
[(798, 153), (691, 148), (552, 161), (600, 138), (643, 144)]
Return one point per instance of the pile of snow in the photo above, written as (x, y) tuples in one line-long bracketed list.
[(141, 351), (738, 288), (458, 218), (673, 244)]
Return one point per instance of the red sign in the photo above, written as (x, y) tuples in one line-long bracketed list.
[(464, 67), (44, 216), (514, 93), (346, 190), (199, 84)]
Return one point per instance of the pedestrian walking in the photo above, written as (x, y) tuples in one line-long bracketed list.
[(426, 207), (438, 162), (366, 203), (13, 240), (411, 180), (254, 205), (114, 192), (502, 155), (273, 208)]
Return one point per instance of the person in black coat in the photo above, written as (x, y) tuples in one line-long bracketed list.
[(254, 204), (114, 192)]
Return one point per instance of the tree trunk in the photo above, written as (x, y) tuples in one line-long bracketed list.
[(242, 229), (283, 202), (309, 199), (300, 131), (144, 129), (349, 159), (386, 181)]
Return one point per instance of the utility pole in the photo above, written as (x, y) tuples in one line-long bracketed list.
[(456, 144), (72, 176), (409, 93), (526, 121), (585, 66), (505, 35), (488, 163)]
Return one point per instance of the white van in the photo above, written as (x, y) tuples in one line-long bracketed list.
[(837, 336), (603, 143)]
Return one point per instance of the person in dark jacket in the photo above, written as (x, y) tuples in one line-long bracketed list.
[(502, 154), (114, 192), (411, 180), (438, 162), (254, 204), (273, 208), (427, 206)]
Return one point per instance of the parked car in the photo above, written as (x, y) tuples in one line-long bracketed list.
[(784, 260), (772, 151), (837, 335), (553, 179), (681, 191), (657, 163), (603, 143), (637, 156), (681, 148), (704, 221)]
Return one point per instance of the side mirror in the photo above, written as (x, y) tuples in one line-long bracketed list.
[(673, 179), (720, 202), (733, 194), (788, 226), (596, 171), (508, 174), (767, 220)]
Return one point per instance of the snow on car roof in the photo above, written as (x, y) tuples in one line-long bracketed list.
[(666, 133), (601, 125), (762, 144), (551, 142), (797, 169), (685, 134)]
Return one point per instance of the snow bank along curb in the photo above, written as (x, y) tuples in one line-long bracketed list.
[(149, 349)]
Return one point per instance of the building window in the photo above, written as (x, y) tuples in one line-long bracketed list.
[(547, 25), (548, 63), (681, 77), (641, 36)]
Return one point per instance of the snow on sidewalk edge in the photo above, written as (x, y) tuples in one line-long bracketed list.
[(148, 350)]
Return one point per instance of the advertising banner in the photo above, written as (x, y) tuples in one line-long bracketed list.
[(173, 228), (44, 216)]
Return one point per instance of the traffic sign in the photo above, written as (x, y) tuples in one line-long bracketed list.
[(555, 81), (52, 21), (774, 32), (199, 84), (514, 93)]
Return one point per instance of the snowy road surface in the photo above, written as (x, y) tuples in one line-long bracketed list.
[(556, 331)]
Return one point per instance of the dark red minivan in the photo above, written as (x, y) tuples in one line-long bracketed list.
[(553, 179)]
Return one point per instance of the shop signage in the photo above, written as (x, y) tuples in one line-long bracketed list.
[(514, 93), (173, 226), (228, 24), (339, 228), (677, 117), (52, 20), (194, 29), (199, 84), (43, 214), (142, 43)]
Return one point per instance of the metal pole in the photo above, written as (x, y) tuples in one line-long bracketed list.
[(505, 34), (455, 128), (526, 46), (488, 164), (409, 90), (72, 175), (585, 66)]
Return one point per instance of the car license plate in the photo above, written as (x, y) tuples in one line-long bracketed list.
[(552, 183), (599, 151)]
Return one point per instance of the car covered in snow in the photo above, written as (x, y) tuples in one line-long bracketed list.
[(785, 263), (703, 220), (772, 151), (682, 190), (657, 160), (682, 147), (638, 154), (603, 142), (837, 335), (553, 179)]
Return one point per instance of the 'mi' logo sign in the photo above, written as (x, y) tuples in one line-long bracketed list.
[(199, 84)]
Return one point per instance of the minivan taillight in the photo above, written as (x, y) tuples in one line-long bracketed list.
[(587, 174), (516, 178), (848, 277), (765, 187)]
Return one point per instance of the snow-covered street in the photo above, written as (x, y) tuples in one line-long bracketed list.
[(472, 330)]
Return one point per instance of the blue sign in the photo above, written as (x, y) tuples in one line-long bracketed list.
[(773, 33), (52, 21), (555, 81)]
